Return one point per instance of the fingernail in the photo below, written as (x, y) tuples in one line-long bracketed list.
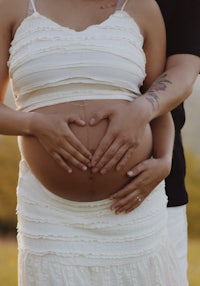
[(69, 171), (118, 168), (92, 121), (130, 173), (103, 172), (84, 168)]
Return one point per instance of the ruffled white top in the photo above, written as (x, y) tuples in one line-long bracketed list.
[(51, 64)]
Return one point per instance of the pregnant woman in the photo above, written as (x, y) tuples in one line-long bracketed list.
[(68, 59)]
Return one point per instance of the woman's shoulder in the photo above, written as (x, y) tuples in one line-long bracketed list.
[(146, 7), (11, 11), (145, 12)]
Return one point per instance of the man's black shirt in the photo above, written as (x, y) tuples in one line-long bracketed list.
[(182, 21)]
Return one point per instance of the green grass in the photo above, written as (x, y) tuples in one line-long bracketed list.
[(194, 262), (8, 262)]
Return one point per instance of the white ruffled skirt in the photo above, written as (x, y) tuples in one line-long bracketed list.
[(66, 243)]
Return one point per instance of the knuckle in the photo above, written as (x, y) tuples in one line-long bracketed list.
[(124, 138), (119, 194), (124, 159), (74, 153), (123, 162), (100, 165), (55, 155), (130, 152), (66, 136), (120, 203), (109, 165), (135, 143), (128, 140), (121, 165), (72, 160), (67, 156), (129, 206), (114, 133), (117, 158), (108, 157), (127, 156), (139, 183), (124, 201)]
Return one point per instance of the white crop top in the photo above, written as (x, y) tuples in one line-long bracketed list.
[(51, 64)]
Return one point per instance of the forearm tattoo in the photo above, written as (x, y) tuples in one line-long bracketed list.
[(159, 85)]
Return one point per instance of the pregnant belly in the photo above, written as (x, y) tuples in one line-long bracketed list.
[(80, 185)]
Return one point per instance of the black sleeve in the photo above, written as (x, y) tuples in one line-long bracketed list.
[(182, 20)]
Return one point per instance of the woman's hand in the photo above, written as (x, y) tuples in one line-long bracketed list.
[(146, 176), (54, 134), (127, 122)]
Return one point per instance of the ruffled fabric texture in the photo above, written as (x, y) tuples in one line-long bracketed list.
[(63, 242), (52, 64)]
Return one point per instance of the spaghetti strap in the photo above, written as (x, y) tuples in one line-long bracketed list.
[(119, 5), (124, 5), (32, 3)]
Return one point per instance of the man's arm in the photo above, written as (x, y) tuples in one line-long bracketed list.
[(180, 75), (149, 173), (181, 72)]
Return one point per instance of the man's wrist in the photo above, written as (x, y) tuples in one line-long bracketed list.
[(144, 109), (158, 91)]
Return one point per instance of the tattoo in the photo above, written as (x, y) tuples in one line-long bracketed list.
[(159, 85)]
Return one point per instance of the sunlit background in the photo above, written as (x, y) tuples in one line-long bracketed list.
[(9, 158)]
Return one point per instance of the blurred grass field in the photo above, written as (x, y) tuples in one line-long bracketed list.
[(8, 262)]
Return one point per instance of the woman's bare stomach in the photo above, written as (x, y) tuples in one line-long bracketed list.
[(81, 185)]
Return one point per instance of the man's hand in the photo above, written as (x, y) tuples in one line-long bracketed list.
[(55, 135), (127, 122), (146, 176)]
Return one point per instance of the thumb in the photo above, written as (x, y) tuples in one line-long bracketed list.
[(98, 116)]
